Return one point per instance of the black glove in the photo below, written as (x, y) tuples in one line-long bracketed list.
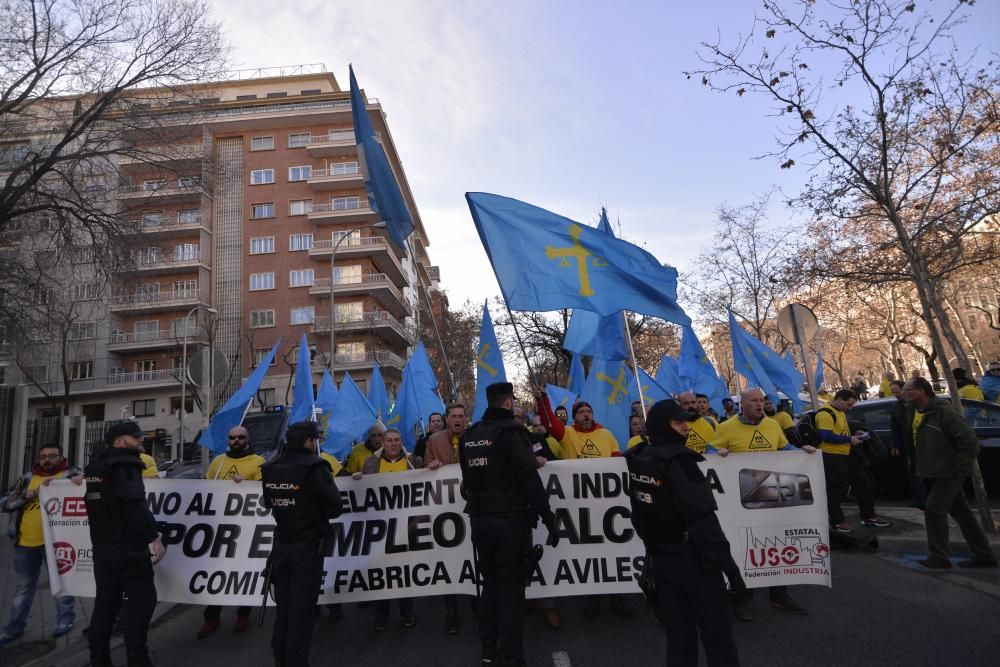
[(741, 594), (550, 525)]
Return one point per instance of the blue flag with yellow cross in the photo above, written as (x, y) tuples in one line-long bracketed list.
[(489, 363)]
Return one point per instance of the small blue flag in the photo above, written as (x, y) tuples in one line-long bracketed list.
[(325, 397), (559, 397), (820, 376), (418, 397), (544, 261), (746, 362), (604, 225), (349, 420), (384, 195), (489, 363), (697, 372), (577, 377), (377, 394), (607, 391), (780, 371), (303, 400), (215, 436), (667, 376), (592, 335), (651, 390)]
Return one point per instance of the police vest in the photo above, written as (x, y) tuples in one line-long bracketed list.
[(287, 491), (488, 479), (653, 509), (107, 487)]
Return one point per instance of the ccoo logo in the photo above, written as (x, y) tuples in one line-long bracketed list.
[(52, 506), (65, 556)]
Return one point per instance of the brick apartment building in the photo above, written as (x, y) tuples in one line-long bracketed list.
[(239, 211)]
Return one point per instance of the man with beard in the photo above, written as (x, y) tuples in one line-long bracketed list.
[(29, 542), (363, 451), (701, 430)]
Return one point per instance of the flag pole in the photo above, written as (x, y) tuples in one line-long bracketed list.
[(635, 365), (513, 323), (437, 332)]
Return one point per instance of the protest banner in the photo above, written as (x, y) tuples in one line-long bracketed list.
[(405, 534)]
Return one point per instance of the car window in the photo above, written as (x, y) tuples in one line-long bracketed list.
[(981, 414), (875, 417)]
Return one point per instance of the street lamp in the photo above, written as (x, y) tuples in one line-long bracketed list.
[(333, 281), (184, 356)]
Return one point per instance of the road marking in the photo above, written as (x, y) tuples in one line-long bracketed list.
[(561, 659)]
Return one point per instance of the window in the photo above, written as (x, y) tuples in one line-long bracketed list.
[(184, 326), (261, 176), (149, 289), (37, 374), (82, 330), (94, 412), (83, 292), (246, 97), (261, 353), (144, 366), (259, 281), (344, 169), (349, 312), (153, 219), (347, 275), (299, 139), (299, 173), (311, 91), (81, 370), (272, 95), (262, 211), (301, 277), (177, 362), (266, 397), (175, 404), (261, 318), (312, 353), (146, 329), (300, 242), (154, 184), (189, 217), (300, 206), (185, 252), (262, 144), (185, 288), (303, 315), (355, 237), (41, 295), (345, 203), (145, 407), (262, 245), (3, 377), (188, 181), (351, 351)]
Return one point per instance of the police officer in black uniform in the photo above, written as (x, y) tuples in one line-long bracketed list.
[(126, 546), (673, 511), (505, 499), (302, 497)]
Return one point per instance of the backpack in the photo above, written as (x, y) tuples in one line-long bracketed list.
[(803, 432)]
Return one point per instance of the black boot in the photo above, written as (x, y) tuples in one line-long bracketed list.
[(101, 660), (140, 660)]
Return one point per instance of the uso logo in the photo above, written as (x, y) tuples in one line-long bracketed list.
[(65, 556)]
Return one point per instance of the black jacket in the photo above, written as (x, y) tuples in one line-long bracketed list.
[(120, 521)]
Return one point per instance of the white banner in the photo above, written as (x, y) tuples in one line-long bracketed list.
[(404, 534)]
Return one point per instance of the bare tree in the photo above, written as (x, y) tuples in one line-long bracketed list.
[(460, 338)]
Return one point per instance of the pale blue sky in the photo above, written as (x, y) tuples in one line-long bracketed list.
[(566, 105)]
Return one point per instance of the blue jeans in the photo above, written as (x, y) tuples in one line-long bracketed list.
[(27, 566)]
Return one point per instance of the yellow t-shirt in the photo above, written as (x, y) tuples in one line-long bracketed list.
[(224, 467), (832, 419), (884, 388), (594, 445), (702, 432), (554, 446), (918, 417), (356, 459), (738, 437), (784, 419), (29, 533), (335, 466), (385, 465), (971, 391), (635, 440), (150, 469)]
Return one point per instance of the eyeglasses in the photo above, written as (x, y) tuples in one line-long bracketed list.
[(237, 437)]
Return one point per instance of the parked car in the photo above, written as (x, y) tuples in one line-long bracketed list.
[(891, 475), (267, 433)]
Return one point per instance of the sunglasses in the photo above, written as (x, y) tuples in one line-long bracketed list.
[(237, 437)]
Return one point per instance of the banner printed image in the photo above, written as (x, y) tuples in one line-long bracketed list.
[(762, 489)]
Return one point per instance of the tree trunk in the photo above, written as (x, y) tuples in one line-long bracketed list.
[(950, 303)]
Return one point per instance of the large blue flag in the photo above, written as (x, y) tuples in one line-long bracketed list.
[(544, 261), (696, 371), (746, 362), (215, 437), (651, 390), (384, 195), (667, 376), (559, 397), (349, 421), (326, 395), (820, 376), (489, 363), (303, 400), (377, 394), (418, 397), (607, 391), (780, 370), (577, 377), (592, 335)]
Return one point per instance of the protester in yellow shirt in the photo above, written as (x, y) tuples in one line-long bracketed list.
[(585, 439), (237, 464), (363, 451), (29, 542), (967, 387), (335, 467), (149, 469), (784, 419), (749, 432), (702, 430), (885, 387), (636, 431)]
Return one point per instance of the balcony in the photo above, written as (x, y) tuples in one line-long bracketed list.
[(164, 191), (169, 263), (166, 376), (378, 322), (376, 285), (7, 349), (149, 302), (124, 341), (375, 248), (351, 362), (168, 155), (340, 212), (336, 178), (173, 227), (337, 143)]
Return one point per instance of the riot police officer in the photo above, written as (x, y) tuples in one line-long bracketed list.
[(303, 498), (673, 511), (126, 546), (505, 498)]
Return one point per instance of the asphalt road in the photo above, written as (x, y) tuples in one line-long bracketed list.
[(882, 609)]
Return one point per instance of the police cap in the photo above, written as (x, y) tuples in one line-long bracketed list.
[(299, 432), (660, 415), (498, 390), (125, 428)]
